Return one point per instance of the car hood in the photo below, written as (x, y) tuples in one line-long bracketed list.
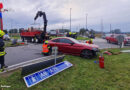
[(89, 45)]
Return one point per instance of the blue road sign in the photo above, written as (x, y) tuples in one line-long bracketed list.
[(41, 75)]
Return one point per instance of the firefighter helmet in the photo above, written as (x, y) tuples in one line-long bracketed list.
[(46, 42), (1, 33)]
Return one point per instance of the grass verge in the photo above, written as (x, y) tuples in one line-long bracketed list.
[(84, 75), (82, 38)]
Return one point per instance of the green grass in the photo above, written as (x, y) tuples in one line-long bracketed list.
[(15, 37), (82, 38), (84, 75), (9, 44), (53, 37)]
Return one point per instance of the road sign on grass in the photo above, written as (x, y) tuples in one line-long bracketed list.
[(41, 75)]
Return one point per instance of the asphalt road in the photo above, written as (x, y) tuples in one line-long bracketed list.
[(102, 43), (20, 54)]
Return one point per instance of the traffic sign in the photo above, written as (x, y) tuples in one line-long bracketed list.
[(41, 75), (120, 38), (54, 50)]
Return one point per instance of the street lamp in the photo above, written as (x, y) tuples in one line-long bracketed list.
[(86, 22), (70, 19)]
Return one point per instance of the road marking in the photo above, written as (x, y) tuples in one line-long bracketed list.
[(27, 61)]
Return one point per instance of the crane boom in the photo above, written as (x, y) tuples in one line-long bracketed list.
[(39, 14)]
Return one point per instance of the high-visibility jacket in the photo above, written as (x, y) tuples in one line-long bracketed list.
[(87, 42), (69, 33), (2, 52), (45, 48)]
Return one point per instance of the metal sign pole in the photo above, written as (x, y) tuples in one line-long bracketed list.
[(54, 52), (55, 55)]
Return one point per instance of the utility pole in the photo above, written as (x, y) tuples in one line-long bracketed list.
[(110, 28), (102, 26), (86, 22), (70, 19), (62, 26)]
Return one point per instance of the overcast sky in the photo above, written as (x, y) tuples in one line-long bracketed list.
[(22, 12)]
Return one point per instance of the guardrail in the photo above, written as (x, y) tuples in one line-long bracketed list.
[(30, 62)]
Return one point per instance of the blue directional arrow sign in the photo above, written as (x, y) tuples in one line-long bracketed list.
[(41, 75)]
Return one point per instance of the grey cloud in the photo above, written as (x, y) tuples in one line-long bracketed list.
[(115, 12)]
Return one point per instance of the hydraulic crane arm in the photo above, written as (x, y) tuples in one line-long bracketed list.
[(39, 14)]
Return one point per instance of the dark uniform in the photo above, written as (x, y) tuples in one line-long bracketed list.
[(2, 53)]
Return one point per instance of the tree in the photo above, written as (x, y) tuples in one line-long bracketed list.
[(20, 30), (82, 31), (92, 31), (13, 31), (117, 31), (5, 31)]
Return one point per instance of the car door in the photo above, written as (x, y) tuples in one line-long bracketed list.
[(65, 45), (68, 46), (56, 42), (112, 38)]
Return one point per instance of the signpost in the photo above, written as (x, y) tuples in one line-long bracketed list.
[(41, 75), (120, 40), (55, 51)]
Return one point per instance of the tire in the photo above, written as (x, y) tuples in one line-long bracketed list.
[(86, 54)]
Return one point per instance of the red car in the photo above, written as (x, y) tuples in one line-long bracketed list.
[(71, 46), (113, 39)]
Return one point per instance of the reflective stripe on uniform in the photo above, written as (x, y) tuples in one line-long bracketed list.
[(2, 53)]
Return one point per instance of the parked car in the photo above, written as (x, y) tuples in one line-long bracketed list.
[(71, 46), (113, 39), (105, 35)]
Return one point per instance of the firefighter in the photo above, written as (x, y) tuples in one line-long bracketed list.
[(89, 41), (46, 48), (73, 35), (2, 52), (70, 34)]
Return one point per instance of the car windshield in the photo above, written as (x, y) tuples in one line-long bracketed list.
[(74, 40)]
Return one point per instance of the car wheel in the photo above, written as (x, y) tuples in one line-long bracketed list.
[(86, 54)]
